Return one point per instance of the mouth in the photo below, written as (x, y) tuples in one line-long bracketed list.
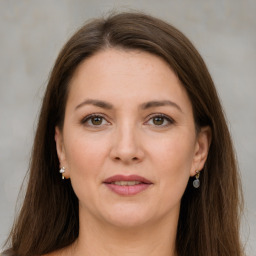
[(127, 185)]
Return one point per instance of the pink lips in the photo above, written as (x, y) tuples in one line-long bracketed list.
[(127, 190)]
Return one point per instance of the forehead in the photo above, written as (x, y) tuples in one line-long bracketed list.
[(122, 61), (120, 74)]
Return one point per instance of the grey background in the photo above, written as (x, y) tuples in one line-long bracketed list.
[(32, 33)]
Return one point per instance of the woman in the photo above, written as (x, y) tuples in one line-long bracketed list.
[(132, 154)]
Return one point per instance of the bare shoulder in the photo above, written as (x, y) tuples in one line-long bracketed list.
[(51, 254), (60, 252), (55, 253)]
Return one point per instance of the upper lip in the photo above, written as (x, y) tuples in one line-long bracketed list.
[(127, 178)]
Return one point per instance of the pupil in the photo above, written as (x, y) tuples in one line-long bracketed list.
[(158, 120), (97, 120)]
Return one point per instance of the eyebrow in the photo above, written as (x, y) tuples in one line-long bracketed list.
[(161, 103), (97, 103), (146, 105)]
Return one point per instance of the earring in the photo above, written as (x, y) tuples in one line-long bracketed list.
[(62, 170), (196, 182)]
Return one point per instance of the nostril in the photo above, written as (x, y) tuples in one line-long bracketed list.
[(133, 159)]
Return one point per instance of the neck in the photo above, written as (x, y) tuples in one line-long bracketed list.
[(97, 238)]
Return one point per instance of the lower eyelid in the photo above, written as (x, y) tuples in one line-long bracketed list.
[(87, 118), (167, 118)]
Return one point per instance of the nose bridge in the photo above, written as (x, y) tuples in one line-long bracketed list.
[(127, 146)]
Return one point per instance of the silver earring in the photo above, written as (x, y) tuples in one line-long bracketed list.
[(62, 170), (196, 182)]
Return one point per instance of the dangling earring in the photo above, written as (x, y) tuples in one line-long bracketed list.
[(62, 170), (196, 182)]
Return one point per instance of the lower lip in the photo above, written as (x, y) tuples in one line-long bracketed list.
[(127, 190)]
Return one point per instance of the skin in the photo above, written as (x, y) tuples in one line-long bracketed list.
[(155, 141)]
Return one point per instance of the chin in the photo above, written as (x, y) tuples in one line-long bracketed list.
[(128, 222), (127, 217)]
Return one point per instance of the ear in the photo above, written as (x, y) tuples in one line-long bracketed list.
[(61, 150), (203, 142)]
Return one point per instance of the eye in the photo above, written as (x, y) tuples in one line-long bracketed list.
[(94, 120), (160, 120)]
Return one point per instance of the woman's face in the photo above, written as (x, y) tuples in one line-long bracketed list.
[(128, 142)]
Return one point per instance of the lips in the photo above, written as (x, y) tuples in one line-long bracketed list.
[(127, 185)]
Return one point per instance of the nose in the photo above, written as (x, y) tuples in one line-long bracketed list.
[(126, 145)]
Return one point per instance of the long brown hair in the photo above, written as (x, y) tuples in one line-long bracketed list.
[(209, 216)]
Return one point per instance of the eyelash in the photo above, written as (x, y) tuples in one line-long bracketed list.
[(88, 118), (165, 117)]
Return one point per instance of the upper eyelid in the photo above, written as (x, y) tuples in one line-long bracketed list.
[(87, 117), (161, 115), (150, 116)]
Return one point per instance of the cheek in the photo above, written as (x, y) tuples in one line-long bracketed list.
[(173, 158), (175, 151), (84, 155)]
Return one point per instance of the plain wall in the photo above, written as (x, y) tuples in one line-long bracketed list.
[(32, 33)]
